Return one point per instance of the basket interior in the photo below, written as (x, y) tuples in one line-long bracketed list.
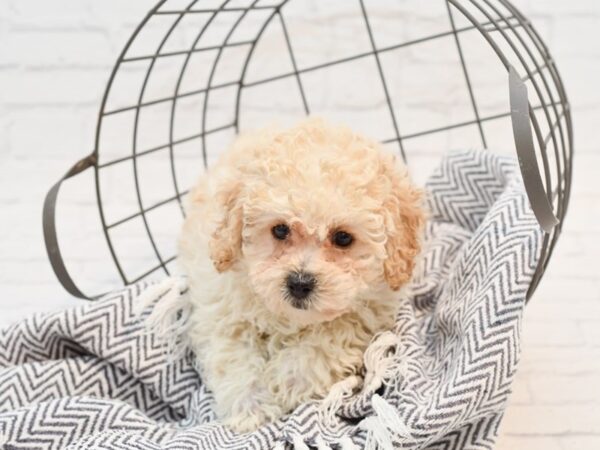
[(421, 77)]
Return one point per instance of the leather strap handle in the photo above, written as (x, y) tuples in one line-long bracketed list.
[(521, 125), (49, 225)]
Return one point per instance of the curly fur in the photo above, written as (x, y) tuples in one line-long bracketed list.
[(259, 355)]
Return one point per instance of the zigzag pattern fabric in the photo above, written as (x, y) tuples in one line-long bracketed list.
[(95, 377)]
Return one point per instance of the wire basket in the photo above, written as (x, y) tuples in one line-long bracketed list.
[(422, 79)]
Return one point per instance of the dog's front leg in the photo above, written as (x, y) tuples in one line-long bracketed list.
[(234, 368), (307, 371)]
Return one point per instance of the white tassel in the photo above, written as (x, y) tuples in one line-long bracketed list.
[(388, 415), (152, 293), (378, 362), (377, 434), (339, 392), (299, 443), (170, 312), (279, 446), (379, 426), (347, 444), (321, 444)]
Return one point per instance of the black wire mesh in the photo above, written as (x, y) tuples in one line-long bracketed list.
[(194, 73)]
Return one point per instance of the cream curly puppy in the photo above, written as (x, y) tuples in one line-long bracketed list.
[(295, 247)]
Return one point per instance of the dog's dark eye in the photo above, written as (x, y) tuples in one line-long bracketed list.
[(342, 239), (280, 231)]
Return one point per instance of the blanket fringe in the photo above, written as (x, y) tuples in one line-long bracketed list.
[(299, 443), (339, 392), (380, 360), (171, 309), (389, 417), (321, 444), (347, 444), (377, 435), (384, 425)]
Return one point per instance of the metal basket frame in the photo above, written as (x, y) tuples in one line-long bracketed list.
[(549, 201)]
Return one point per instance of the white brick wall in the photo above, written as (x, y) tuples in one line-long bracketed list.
[(55, 58)]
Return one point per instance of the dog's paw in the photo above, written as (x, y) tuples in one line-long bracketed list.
[(252, 419)]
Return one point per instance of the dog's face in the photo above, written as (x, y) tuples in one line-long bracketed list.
[(309, 259), (319, 221)]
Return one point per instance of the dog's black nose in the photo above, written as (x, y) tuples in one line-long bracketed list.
[(299, 286)]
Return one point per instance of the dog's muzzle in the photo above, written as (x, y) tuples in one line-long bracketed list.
[(299, 287)]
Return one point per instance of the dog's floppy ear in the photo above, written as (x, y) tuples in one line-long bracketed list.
[(405, 217), (226, 241)]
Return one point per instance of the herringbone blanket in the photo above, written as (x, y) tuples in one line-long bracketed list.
[(94, 377)]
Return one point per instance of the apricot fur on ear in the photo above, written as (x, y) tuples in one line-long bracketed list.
[(226, 241), (405, 216)]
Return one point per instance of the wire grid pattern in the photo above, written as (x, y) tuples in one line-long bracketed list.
[(228, 35)]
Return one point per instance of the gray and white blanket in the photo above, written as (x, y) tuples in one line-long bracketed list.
[(94, 377)]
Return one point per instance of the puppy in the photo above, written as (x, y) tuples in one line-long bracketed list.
[(295, 247)]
